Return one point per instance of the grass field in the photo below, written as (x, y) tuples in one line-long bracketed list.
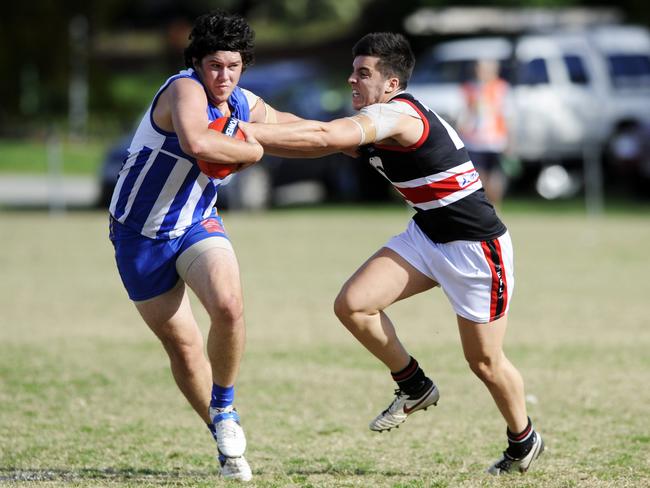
[(34, 156), (86, 397)]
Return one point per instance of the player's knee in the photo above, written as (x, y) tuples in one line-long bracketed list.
[(342, 306), (182, 351), (353, 313), (346, 305), (188, 357), (485, 368), (226, 311)]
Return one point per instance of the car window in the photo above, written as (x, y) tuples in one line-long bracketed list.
[(576, 69), (456, 71), (443, 71), (533, 72), (629, 70)]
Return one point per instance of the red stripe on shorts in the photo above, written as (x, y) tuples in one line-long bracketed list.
[(499, 288)]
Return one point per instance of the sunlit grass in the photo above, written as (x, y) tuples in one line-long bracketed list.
[(86, 397)]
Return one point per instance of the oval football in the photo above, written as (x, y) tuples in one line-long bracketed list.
[(230, 127)]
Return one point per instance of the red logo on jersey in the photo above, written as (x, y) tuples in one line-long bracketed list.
[(213, 225)]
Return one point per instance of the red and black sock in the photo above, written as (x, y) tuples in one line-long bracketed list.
[(411, 380), (521, 443)]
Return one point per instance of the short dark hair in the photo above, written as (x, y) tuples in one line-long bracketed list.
[(394, 52), (220, 31)]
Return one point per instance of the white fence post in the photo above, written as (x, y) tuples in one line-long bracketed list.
[(56, 196)]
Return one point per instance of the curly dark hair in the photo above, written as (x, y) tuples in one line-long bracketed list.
[(394, 52), (220, 31)]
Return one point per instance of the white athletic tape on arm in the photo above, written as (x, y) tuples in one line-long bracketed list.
[(251, 98), (270, 116), (385, 116), (363, 132)]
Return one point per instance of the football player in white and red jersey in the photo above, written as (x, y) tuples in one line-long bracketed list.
[(455, 239)]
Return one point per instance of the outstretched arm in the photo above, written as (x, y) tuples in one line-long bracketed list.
[(382, 123), (263, 112), (312, 138)]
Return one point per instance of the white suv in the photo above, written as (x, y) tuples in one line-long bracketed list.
[(570, 89)]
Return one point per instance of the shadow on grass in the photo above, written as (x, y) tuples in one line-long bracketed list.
[(146, 476), (343, 471), (104, 474)]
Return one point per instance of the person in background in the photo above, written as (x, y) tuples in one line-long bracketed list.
[(168, 235), (455, 240), (483, 126)]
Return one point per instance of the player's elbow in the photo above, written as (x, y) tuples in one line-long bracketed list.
[(194, 147), (322, 141)]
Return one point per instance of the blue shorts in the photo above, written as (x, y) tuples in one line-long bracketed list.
[(148, 266)]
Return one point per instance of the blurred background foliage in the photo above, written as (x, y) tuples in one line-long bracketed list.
[(124, 48), (78, 74)]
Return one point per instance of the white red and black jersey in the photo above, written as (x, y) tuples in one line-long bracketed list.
[(437, 178)]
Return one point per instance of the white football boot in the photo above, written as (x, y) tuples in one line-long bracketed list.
[(403, 406), (235, 468), (230, 437), (507, 464)]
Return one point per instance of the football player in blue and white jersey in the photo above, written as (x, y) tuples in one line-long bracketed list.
[(167, 233), (455, 239)]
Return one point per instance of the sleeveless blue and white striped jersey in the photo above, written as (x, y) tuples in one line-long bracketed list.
[(160, 190)]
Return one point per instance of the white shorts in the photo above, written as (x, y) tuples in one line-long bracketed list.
[(477, 276)]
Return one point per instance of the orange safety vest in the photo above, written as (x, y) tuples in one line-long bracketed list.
[(483, 124)]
